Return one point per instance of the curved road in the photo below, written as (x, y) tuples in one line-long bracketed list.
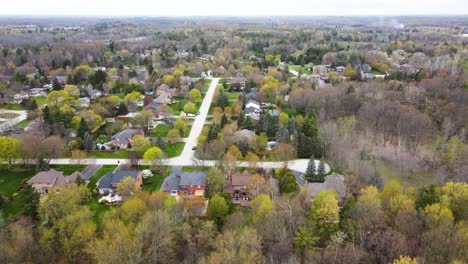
[(187, 157)]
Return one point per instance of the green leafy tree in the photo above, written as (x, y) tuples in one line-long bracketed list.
[(304, 241), (195, 95), (287, 181), (324, 214), (190, 107), (217, 210), (9, 149)]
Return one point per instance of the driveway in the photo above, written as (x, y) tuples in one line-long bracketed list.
[(22, 115)]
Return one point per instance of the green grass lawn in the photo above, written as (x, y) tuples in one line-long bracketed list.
[(187, 130), (23, 123), (10, 180), (160, 130), (153, 184), (39, 100), (232, 96), (119, 154), (298, 68), (8, 115), (376, 72), (174, 150), (12, 106), (96, 208), (68, 169)]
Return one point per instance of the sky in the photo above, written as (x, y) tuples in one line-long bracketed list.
[(232, 7)]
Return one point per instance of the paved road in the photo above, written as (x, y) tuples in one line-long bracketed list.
[(187, 157), (22, 115)]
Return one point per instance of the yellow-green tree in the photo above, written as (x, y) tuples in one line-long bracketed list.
[(324, 214), (9, 149)]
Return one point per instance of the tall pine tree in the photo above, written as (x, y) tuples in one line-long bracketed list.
[(311, 171), (321, 172)]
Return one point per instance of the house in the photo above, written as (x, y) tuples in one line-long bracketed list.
[(340, 69), (95, 69), (84, 102), (244, 135), (44, 181), (332, 182), (62, 79), (185, 183), (38, 92), (153, 107), (114, 78), (164, 88), (252, 95), (237, 188), (321, 70), (206, 57), (123, 139), (164, 98), (271, 145), (365, 68), (241, 81), (252, 109), (19, 97), (108, 182)]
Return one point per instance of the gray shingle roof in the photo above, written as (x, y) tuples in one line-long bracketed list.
[(115, 177), (175, 180)]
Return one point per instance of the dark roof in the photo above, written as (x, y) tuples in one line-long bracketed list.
[(153, 107), (115, 177), (124, 136), (175, 180)]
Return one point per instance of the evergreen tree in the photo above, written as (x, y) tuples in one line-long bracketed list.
[(321, 172), (222, 100), (122, 110), (80, 181), (83, 129), (30, 199), (310, 127), (304, 146), (282, 135), (240, 120), (88, 142), (46, 115), (287, 181), (224, 120), (311, 171), (160, 144), (248, 123)]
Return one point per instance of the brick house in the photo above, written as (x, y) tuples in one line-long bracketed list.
[(185, 183)]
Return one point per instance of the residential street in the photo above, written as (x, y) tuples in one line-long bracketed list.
[(187, 157)]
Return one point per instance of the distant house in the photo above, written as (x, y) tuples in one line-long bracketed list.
[(123, 139), (114, 78), (237, 188), (244, 135), (84, 102), (62, 79), (19, 97), (164, 98), (252, 109), (44, 181), (153, 107), (340, 69), (241, 81), (321, 70), (164, 88), (365, 68), (332, 182), (108, 182), (185, 183), (206, 57), (38, 92)]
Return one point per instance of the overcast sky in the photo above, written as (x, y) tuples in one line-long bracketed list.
[(232, 7)]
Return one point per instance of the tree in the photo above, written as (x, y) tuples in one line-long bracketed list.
[(172, 135), (88, 142), (287, 181), (311, 171), (83, 128), (122, 109), (143, 119), (140, 144), (258, 185), (283, 119), (126, 187), (321, 172), (405, 260), (40, 149), (217, 210), (78, 156), (304, 241), (285, 152), (195, 95), (9, 149), (153, 156), (189, 107), (324, 214), (261, 207), (132, 97), (234, 151), (215, 178)]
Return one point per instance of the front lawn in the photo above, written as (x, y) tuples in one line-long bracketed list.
[(299, 69), (68, 169), (10, 180), (173, 150), (12, 106), (23, 123), (160, 130), (8, 115), (153, 183)]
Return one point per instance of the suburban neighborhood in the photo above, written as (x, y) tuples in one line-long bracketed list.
[(233, 139)]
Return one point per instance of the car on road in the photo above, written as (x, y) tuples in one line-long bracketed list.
[(190, 115), (194, 148)]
